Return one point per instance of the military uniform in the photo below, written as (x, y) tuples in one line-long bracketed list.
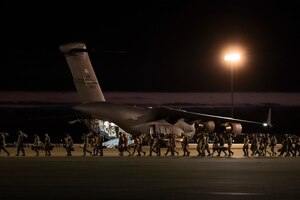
[(246, 146), (120, 145), (98, 144), (151, 144), (20, 143), (273, 143), (229, 142), (185, 144), (69, 145), (140, 146), (47, 145), (85, 140), (2, 143), (125, 144), (36, 144)]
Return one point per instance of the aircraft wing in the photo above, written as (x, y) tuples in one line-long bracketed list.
[(172, 115)]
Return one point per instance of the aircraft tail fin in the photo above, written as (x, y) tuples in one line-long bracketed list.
[(82, 71)]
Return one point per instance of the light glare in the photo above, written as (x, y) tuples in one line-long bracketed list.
[(232, 57)]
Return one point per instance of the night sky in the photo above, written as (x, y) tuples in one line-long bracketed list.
[(170, 46)]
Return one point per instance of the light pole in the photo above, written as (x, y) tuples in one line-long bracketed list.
[(232, 58)]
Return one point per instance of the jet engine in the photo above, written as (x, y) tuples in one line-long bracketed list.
[(232, 128), (207, 127)]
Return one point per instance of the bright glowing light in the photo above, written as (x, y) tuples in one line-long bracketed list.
[(265, 124), (232, 57), (235, 54)]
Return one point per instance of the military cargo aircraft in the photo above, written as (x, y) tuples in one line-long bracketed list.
[(95, 111)]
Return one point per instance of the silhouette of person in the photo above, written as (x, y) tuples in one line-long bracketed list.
[(85, 140), (36, 144), (2, 143), (69, 144), (20, 143), (47, 145)]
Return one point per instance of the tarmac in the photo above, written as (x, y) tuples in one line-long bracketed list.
[(145, 177)]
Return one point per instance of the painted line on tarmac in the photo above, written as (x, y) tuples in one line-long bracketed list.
[(236, 193)]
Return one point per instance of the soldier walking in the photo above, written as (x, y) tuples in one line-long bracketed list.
[(254, 145), (69, 144), (20, 143), (152, 134), (2, 143), (36, 144), (246, 146), (200, 145), (120, 145), (229, 142), (98, 144), (206, 144), (85, 140), (157, 144), (125, 144), (215, 143), (185, 144), (172, 145), (48, 145), (140, 145), (273, 143), (267, 141), (136, 144), (151, 144), (221, 145)]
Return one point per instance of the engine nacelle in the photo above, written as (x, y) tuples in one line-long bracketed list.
[(181, 123), (207, 127), (233, 128)]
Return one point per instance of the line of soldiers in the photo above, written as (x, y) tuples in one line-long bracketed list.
[(290, 145), (95, 141), (255, 144), (262, 143), (155, 142), (47, 146), (37, 145)]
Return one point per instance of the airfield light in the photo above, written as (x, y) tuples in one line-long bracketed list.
[(232, 58)]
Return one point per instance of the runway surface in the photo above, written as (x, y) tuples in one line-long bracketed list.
[(165, 177)]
